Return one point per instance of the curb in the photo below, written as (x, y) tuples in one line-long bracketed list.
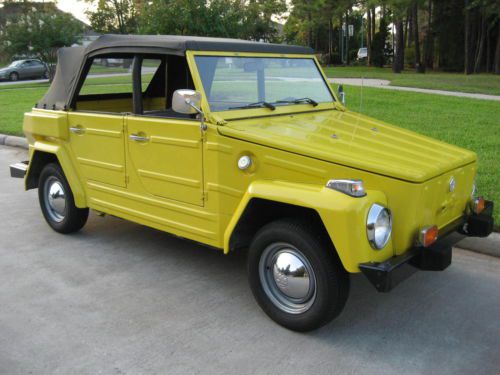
[(489, 245), (13, 141)]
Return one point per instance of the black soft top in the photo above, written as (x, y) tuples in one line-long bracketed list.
[(70, 60), (179, 44)]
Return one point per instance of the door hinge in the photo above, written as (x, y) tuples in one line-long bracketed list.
[(204, 196), (127, 180)]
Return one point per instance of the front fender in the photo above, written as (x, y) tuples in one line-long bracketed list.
[(64, 161), (344, 217)]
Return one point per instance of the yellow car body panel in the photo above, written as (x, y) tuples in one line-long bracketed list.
[(338, 212), (202, 193)]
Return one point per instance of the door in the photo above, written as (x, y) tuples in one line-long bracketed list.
[(165, 156), (25, 70), (97, 143), (38, 69)]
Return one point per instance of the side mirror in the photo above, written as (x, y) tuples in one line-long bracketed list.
[(186, 101), (341, 94)]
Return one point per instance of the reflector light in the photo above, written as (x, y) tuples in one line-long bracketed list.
[(354, 188), (428, 235), (478, 205)]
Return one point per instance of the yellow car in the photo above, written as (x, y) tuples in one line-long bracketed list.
[(243, 146)]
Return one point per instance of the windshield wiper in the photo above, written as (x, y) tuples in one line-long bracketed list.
[(256, 105), (299, 101)]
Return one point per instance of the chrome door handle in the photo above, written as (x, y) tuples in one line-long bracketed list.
[(138, 138), (77, 130)]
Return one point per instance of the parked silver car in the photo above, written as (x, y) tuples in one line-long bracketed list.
[(362, 53), (21, 69)]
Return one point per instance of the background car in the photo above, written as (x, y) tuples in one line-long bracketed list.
[(22, 69), (362, 53)]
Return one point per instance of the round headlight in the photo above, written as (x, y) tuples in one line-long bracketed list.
[(378, 226)]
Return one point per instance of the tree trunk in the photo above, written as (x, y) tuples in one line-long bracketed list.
[(347, 37), (479, 54), (330, 40), (406, 26), (369, 37), (373, 22), (429, 40), (411, 28), (497, 52), (398, 62), (467, 65), (310, 31), (419, 67), (488, 50)]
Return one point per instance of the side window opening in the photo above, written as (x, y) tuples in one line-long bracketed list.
[(171, 73), (107, 86)]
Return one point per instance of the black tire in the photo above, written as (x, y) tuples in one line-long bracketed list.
[(59, 210), (331, 281), (14, 76), (45, 75)]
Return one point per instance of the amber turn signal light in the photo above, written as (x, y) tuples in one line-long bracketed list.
[(478, 205), (428, 235)]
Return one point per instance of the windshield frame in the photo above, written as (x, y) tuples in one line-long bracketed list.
[(258, 112)]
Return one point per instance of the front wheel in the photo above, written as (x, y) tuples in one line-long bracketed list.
[(296, 276), (57, 202), (14, 76)]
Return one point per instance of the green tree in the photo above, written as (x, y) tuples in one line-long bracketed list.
[(219, 18), (41, 34), (113, 16)]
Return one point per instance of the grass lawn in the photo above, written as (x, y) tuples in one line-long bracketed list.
[(474, 83), (469, 123)]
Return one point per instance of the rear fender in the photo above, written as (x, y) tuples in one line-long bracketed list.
[(42, 153)]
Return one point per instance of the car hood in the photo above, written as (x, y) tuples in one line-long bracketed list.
[(4, 70), (353, 140)]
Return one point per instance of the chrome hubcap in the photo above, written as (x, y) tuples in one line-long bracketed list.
[(287, 278), (55, 199)]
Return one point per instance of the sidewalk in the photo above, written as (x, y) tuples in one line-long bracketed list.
[(385, 84)]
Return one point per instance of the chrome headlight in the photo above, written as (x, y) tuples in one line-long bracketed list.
[(378, 226)]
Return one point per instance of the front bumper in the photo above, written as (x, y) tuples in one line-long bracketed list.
[(18, 170), (386, 275)]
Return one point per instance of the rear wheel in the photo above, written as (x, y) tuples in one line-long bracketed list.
[(57, 202), (295, 275), (14, 76)]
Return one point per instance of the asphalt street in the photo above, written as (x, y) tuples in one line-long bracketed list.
[(120, 298)]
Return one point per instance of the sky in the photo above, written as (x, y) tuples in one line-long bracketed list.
[(75, 7)]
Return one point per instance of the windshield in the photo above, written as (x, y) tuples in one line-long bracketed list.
[(16, 63), (246, 82)]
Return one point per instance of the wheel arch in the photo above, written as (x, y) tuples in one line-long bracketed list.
[(40, 156), (260, 211), (342, 217)]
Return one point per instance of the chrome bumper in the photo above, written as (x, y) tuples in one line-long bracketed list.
[(18, 170)]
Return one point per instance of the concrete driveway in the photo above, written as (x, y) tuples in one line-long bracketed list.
[(120, 298)]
